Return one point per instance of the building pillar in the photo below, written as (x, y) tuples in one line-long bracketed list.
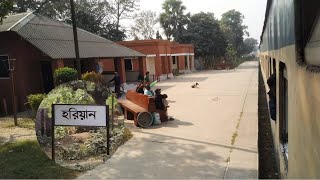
[(181, 63), (169, 61), (120, 68), (192, 63), (158, 65), (188, 63), (178, 63), (142, 65)]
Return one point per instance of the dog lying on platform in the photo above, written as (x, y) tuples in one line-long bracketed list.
[(195, 85)]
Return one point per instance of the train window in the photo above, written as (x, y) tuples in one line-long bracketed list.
[(270, 67), (283, 108), (312, 50), (274, 66)]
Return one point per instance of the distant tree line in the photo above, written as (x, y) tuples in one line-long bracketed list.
[(213, 38)]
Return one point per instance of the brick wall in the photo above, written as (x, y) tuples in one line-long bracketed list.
[(108, 65)]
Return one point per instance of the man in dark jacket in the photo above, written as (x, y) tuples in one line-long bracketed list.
[(117, 84), (160, 100)]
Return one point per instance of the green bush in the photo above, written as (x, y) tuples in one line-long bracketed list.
[(68, 94), (35, 100), (63, 75), (92, 77), (61, 132)]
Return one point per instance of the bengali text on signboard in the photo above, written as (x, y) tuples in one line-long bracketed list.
[(80, 115)]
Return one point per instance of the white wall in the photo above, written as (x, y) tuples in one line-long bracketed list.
[(150, 61)]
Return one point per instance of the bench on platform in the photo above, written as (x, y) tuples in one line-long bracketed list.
[(136, 103)]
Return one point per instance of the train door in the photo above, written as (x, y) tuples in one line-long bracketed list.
[(283, 108), (274, 66), (283, 100)]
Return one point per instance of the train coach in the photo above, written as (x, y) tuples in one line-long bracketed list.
[(290, 53)]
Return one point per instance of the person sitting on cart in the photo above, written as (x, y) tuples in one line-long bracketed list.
[(140, 88), (148, 91), (161, 100)]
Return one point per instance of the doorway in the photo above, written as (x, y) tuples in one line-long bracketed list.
[(283, 93), (47, 76), (283, 112)]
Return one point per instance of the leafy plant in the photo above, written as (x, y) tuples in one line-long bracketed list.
[(35, 100), (61, 132), (63, 75), (75, 92), (73, 151), (116, 107), (109, 101), (92, 77)]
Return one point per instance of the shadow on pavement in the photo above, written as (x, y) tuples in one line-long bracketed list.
[(155, 156), (200, 142)]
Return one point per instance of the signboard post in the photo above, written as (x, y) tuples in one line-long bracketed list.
[(80, 115)]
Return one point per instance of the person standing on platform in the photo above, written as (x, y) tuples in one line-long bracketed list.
[(117, 84), (147, 78)]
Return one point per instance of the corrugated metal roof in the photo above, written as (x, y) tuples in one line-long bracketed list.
[(55, 39), (10, 21)]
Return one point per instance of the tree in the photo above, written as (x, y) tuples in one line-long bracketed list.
[(25, 5), (113, 33), (173, 20), (249, 45), (90, 16), (234, 30), (121, 9), (59, 10), (143, 27), (6, 6), (204, 32)]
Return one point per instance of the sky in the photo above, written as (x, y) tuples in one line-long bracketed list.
[(253, 10)]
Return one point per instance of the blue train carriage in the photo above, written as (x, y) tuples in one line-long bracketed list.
[(290, 53)]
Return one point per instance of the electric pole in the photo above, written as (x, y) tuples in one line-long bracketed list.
[(75, 37)]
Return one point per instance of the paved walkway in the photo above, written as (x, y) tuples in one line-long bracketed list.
[(214, 135)]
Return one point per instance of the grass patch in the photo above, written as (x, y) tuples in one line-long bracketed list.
[(25, 160), (22, 123), (234, 136), (238, 125)]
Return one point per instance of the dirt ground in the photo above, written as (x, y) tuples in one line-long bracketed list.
[(267, 162), (9, 133)]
